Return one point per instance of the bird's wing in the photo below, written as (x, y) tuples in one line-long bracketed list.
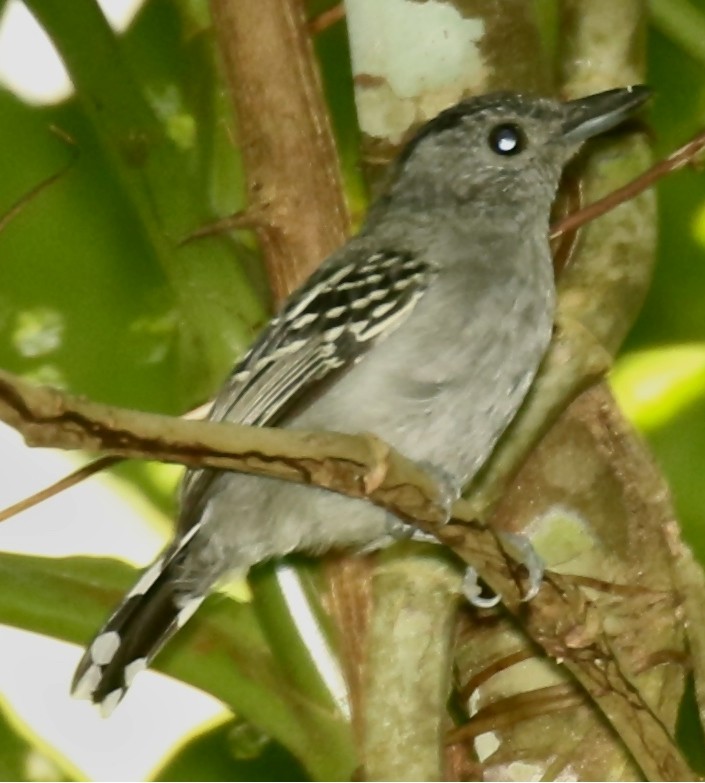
[(325, 327)]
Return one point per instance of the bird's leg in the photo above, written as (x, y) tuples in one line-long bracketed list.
[(449, 490)]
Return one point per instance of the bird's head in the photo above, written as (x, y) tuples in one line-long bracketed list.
[(504, 148)]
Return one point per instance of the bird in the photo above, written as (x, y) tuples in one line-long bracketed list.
[(426, 328)]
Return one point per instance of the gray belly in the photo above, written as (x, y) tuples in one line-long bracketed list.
[(441, 389), (445, 385)]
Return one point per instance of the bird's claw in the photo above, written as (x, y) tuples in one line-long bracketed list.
[(449, 490), (529, 557), (472, 591)]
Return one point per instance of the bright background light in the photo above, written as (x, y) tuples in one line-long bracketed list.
[(99, 517), (29, 64)]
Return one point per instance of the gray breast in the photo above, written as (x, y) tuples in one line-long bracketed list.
[(444, 386)]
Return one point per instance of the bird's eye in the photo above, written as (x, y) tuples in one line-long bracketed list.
[(507, 139)]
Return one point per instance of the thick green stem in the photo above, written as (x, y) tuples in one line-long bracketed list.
[(158, 183), (683, 23)]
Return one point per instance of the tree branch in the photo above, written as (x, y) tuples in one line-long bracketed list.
[(361, 466), (293, 177)]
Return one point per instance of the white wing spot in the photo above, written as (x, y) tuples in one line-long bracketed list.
[(312, 294), (333, 333), (383, 309), (133, 669), (304, 320), (85, 687), (104, 647), (390, 261), (287, 348), (110, 702), (350, 285)]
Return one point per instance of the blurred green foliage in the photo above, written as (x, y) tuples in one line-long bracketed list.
[(97, 297)]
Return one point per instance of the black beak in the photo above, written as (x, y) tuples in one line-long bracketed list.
[(594, 114)]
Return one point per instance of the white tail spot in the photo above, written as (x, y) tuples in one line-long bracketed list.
[(104, 647), (110, 702), (85, 687), (133, 669)]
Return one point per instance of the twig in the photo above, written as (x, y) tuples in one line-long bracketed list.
[(358, 466), (81, 474), (84, 472), (24, 200), (676, 160), (326, 19), (249, 219), (516, 708)]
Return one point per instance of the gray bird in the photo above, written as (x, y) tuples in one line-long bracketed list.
[(427, 328)]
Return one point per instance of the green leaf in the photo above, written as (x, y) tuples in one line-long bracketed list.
[(25, 757), (98, 261), (222, 651), (216, 754)]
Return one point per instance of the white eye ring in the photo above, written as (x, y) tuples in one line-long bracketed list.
[(507, 139)]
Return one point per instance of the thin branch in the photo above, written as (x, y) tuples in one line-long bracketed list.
[(516, 708), (251, 219), (24, 200), (64, 483), (81, 474), (326, 19), (287, 145), (676, 160), (364, 467)]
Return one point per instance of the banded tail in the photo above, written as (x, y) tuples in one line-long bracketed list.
[(145, 620)]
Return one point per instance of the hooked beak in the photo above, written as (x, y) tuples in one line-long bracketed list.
[(594, 114)]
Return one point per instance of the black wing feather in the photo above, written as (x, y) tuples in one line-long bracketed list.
[(325, 327)]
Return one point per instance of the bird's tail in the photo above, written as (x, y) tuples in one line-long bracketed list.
[(147, 617)]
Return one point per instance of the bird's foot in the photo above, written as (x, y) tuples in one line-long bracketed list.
[(448, 490), (526, 554), (523, 548), (473, 592)]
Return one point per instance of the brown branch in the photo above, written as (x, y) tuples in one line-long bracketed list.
[(287, 146), (326, 19), (675, 161), (295, 186), (516, 708), (358, 466), (64, 483), (79, 475)]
